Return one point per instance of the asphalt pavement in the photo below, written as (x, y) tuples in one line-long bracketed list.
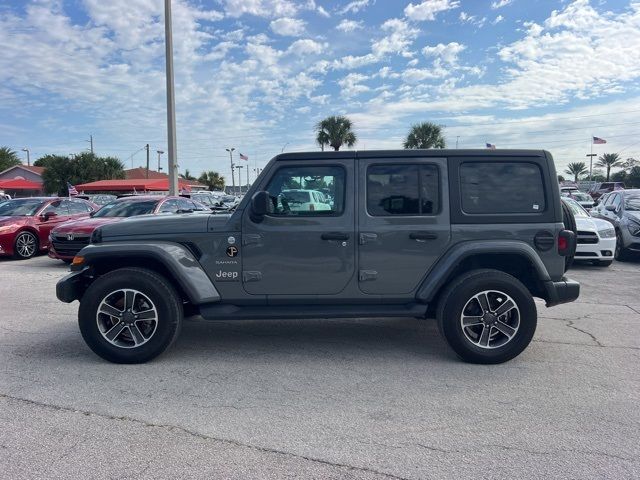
[(361, 399)]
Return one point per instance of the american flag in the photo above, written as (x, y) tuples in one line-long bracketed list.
[(491, 146), (244, 157), (598, 141), (72, 189)]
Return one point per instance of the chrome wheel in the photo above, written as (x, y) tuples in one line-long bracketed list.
[(127, 318), (490, 319), (26, 245)]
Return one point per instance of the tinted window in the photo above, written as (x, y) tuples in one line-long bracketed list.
[(292, 190), (127, 208), (170, 206), (20, 207), (76, 207), (616, 199), (57, 207), (501, 187), (402, 190)]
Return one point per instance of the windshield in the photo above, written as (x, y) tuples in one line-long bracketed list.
[(581, 197), (125, 208), (575, 207), (23, 207), (632, 202), (206, 199)]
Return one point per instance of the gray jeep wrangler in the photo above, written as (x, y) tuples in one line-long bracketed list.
[(467, 236)]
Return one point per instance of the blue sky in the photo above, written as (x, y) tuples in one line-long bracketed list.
[(258, 74)]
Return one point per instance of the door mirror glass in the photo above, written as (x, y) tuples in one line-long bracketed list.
[(259, 205), (49, 215)]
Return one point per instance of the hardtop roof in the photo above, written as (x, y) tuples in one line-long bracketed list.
[(409, 153)]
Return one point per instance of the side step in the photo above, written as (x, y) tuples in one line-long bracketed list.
[(282, 312)]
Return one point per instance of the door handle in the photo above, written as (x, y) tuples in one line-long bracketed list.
[(335, 236), (423, 236)]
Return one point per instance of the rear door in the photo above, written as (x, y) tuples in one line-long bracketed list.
[(403, 224)]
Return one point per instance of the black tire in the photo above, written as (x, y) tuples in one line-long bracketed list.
[(620, 253), (159, 291), (603, 263), (452, 304), (19, 251), (569, 221)]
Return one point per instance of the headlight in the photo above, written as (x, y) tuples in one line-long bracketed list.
[(634, 227), (607, 233), (96, 236), (8, 228)]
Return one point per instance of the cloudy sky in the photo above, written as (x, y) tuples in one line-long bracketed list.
[(258, 74)]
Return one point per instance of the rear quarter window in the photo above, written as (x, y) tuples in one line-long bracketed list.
[(501, 188)]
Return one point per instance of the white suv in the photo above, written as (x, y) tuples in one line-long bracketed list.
[(596, 240)]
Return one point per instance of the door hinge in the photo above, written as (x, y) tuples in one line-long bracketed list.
[(251, 276), (367, 275), (368, 237)]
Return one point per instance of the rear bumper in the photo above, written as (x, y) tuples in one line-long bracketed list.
[(564, 291), (70, 287)]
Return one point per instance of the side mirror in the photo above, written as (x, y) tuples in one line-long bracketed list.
[(610, 208), (260, 203), (92, 213), (49, 215)]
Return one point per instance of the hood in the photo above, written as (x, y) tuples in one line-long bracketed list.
[(590, 224), (633, 215), (11, 220), (86, 225), (155, 225)]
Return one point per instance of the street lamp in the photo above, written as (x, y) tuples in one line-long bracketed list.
[(591, 155), (160, 152), (239, 167), (171, 102), (25, 149), (233, 176)]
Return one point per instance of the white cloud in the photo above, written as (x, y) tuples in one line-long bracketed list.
[(261, 8), (351, 85), (464, 17), (288, 27), (447, 52), (306, 47), (500, 3), (401, 35), (355, 6), (428, 9), (349, 25), (497, 20), (321, 11)]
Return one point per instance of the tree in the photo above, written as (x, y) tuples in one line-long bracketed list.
[(576, 169), (629, 163), (633, 179), (83, 168), (8, 158), (608, 161), (335, 131), (425, 135), (560, 178), (187, 175), (213, 180)]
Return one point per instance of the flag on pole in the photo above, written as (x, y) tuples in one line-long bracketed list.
[(491, 146), (243, 157), (598, 141), (72, 189)]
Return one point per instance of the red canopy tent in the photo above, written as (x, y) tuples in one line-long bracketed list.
[(19, 184), (138, 185)]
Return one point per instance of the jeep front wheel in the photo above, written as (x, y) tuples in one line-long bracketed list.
[(487, 316), (130, 315)]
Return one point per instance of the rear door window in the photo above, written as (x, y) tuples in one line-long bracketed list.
[(402, 190), (501, 188)]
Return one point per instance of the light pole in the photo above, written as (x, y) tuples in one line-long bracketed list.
[(233, 175), (239, 167), (591, 155), (159, 152), (171, 102), (284, 146), (25, 149)]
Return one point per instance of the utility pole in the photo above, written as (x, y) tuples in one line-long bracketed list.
[(91, 143), (171, 102), (160, 152), (457, 138), (25, 149), (146, 147), (591, 155), (233, 176), (239, 167)]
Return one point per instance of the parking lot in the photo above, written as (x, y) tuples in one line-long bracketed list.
[(321, 399)]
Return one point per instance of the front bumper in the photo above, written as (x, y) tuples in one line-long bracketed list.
[(564, 291), (6, 243), (603, 250), (71, 287)]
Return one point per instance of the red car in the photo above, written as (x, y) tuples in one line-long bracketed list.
[(68, 239), (25, 223)]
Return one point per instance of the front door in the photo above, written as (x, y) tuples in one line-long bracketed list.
[(305, 245), (59, 211), (403, 223)]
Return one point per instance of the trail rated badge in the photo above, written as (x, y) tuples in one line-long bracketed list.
[(232, 251)]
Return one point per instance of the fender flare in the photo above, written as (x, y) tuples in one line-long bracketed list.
[(176, 258), (439, 274)]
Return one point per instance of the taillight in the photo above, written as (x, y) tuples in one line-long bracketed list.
[(562, 244), (566, 243)]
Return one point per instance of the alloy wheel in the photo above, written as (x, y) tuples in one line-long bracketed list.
[(127, 318), (26, 245), (490, 319)]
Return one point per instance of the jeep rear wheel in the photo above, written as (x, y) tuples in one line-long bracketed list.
[(487, 316), (130, 315)]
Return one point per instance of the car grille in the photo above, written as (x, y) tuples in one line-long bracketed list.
[(69, 248), (587, 237)]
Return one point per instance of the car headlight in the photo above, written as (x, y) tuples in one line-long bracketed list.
[(8, 228), (634, 227), (607, 233)]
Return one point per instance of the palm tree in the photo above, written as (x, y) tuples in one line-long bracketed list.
[(187, 175), (608, 161), (8, 158), (335, 131), (425, 135), (213, 180), (576, 169)]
